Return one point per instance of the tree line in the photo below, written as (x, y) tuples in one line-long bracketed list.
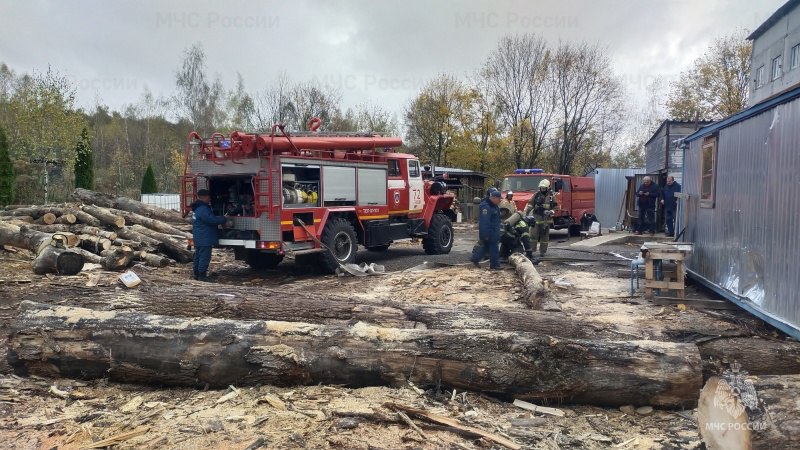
[(531, 103)]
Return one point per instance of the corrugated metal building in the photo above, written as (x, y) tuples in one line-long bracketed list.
[(610, 186), (742, 175), (662, 154)]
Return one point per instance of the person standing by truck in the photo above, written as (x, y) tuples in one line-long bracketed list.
[(488, 231), (648, 196), (204, 234), (670, 204), (542, 205)]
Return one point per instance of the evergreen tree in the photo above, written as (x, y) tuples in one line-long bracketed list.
[(6, 172), (84, 162), (149, 181)]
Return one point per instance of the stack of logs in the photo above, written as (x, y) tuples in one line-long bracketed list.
[(114, 232)]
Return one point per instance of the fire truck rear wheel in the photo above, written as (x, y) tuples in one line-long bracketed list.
[(340, 238), (440, 236), (259, 260)]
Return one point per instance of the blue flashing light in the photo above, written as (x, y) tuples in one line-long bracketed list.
[(522, 171), (519, 171)]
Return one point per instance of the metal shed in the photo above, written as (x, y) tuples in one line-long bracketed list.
[(743, 211), (662, 154), (610, 186)]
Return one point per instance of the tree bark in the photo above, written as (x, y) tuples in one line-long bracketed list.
[(264, 303), (153, 224), (127, 204), (105, 216), (118, 258), (730, 419), (534, 293), (94, 244), (57, 260), (151, 260), (67, 219), (136, 347), (129, 234), (170, 246), (757, 356)]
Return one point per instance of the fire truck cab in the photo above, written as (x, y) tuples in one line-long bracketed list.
[(316, 196), (574, 195)]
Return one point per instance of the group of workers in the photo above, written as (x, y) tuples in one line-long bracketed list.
[(503, 230), (649, 197)]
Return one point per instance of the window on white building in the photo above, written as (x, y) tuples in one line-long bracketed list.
[(795, 58), (760, 77), (776, 67)]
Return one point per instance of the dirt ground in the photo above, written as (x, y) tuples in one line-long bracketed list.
[(37, 413)]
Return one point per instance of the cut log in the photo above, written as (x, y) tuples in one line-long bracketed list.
[(736, 412), (136, 347), (94, 231), (23, 237), (85, 218), (89, 256), (151, 260), (266, 303), (46, 219), (65, 239), (104, 215), (17, 219), (153, 224), (534, 293), (758, 356), (67, 219), (94, 244), (129, 234), (59, 260), (136, 245), (117, 258), (170, 246), (127, 204)]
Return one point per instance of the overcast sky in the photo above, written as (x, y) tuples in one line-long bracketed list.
[(376, 51)]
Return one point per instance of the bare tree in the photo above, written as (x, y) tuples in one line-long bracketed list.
[(520, 87), (199, 99), (309, 101), (432, 118), (589, 101), (273, 105)]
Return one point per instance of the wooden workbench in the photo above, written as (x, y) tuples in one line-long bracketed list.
[(658, 251)]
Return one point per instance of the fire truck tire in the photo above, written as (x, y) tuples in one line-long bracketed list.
[(340, 238), (259, 260), (379, 248), (440, 236)]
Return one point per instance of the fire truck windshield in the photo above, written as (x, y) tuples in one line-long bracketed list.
[(522, 183)]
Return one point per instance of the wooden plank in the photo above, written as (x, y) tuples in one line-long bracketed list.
[(658, 284), (649, 274), (661, 254), (538, 409), (694, 303)]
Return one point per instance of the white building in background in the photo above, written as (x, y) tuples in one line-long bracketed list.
[(775, 61)]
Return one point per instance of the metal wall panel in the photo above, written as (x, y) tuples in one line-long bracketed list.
[(166, 201), (655, 152), (610, 186), (748, 243), (371, 186), (338, 184)]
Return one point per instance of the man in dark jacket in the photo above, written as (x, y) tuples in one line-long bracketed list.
[(670, 203), (648, 196), (204, 234), (488, 231)]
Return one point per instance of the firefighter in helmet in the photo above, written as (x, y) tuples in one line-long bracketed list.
[(488, 230), (515, 233), (541, 207)]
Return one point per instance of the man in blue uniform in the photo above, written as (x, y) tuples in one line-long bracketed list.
[(670, 203), (204, 234), (488, 230), (648, 195)]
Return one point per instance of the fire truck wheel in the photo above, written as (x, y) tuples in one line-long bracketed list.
[(258, 260), (440, 236), (340, 238)]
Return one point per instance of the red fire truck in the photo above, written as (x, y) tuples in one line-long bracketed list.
[(575, 195), (315, 195)]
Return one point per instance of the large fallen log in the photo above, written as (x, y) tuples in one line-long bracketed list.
[(269, 303), (153, 224), (736, 412), (534, 292), (127, 204), (117, 258), (169, 245), (105, 216), (129, 234), (134, 347), (758, 356)]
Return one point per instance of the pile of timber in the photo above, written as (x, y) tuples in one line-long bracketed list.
[(115, 232)]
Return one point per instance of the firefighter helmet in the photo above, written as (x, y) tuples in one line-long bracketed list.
[(544, 183)]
